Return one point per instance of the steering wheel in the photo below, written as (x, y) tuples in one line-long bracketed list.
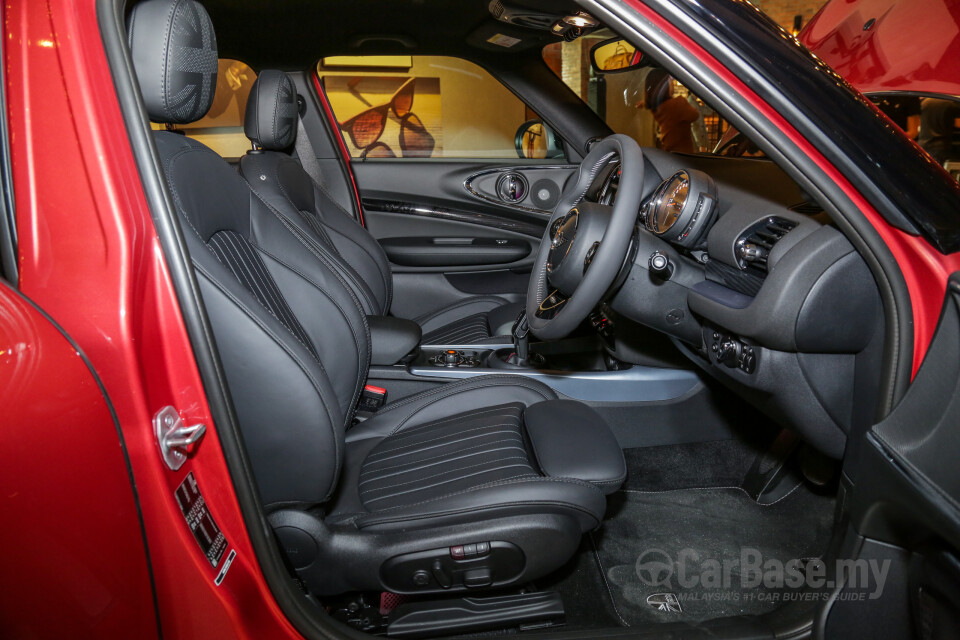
[(585, 244)]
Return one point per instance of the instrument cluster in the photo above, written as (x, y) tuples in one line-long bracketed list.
[(682, 209)]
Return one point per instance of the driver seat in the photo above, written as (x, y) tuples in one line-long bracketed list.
[(476, 484), (279, 179)]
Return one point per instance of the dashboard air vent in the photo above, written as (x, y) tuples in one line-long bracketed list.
[(754, 246)]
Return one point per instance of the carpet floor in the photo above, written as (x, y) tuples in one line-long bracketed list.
[(662, 554)]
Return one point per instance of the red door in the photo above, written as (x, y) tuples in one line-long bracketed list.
[(74, 562)]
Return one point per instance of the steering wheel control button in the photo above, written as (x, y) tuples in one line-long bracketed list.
[(592, 251), (562, 234)]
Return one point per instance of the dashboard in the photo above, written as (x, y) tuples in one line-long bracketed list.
[(756, 286)]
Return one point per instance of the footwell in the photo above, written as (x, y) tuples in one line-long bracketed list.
[(696, 554)]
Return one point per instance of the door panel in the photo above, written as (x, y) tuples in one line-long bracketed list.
[(907, 500), (75, 563), (439, 203), (459, 184)]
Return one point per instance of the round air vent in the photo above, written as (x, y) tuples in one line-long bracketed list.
[(512, 187)]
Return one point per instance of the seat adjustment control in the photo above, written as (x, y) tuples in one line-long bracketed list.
[(477, 578), (461, 551), (440, 574)]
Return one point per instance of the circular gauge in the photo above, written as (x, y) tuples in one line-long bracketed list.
[(682, 208), (668, 204)]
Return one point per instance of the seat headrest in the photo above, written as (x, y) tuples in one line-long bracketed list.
[(174, 52), (271, 117)]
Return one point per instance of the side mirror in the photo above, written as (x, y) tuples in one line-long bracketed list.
[(536, 140), (616, 55)]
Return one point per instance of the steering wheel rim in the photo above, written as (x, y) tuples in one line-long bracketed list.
[(567, 312)]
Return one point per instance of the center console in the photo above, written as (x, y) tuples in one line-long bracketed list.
[(583, 367)]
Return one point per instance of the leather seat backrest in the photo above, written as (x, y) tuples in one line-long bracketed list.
[(277, 176), (291, 335)]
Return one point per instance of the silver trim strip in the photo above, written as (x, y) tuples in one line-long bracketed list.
[(636, 384), (468, 184)]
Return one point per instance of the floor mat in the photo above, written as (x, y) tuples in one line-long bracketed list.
[(586, 601), (722, 463), (675, 556)]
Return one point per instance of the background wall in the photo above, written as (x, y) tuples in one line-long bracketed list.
[(783, 11)]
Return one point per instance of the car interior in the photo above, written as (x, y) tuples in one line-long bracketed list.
[(498, 360)]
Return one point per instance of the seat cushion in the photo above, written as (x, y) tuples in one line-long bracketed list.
[(569, 440), (454, 455), (446, 456)]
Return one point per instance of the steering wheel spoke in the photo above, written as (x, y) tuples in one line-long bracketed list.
[(582, 234), (551, 305)]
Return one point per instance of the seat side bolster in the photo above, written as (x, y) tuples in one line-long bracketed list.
[(458, 310)]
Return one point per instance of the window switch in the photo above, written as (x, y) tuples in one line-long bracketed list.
[(469, 550), (483, 548)]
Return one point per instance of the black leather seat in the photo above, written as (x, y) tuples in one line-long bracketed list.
[(475, 484), (279, 178)]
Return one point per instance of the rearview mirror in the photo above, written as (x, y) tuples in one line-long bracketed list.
[(616, 55), (534, 139)]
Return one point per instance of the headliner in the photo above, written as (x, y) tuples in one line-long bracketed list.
[(294, 34)]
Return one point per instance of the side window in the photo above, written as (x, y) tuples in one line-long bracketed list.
[(645, 104), (222, 128), (421, 107)]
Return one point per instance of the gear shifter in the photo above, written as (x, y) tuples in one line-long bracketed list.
[(521, 342)]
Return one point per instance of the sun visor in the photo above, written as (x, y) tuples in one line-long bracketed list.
[(492, 35)]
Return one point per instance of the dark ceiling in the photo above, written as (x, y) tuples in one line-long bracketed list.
[(292, 34)]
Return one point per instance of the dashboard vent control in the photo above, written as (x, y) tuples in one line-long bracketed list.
[(754, 246)]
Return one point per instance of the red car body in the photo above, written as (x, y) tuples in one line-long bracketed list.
[(890, 45), (88, 504)]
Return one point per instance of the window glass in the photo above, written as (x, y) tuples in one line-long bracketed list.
[(645, 104), (421, 107), (222, 128)]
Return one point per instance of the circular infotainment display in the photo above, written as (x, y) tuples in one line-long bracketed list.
[(682, 208)]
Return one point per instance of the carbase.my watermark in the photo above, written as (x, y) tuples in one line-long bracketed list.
[(657, 568)]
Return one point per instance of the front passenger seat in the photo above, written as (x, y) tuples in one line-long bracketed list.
[(483, 483), (279, 178)]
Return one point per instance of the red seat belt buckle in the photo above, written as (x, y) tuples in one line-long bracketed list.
[(372, 398)]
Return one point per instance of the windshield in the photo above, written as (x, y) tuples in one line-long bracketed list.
[(933, 122), (644, 103)]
